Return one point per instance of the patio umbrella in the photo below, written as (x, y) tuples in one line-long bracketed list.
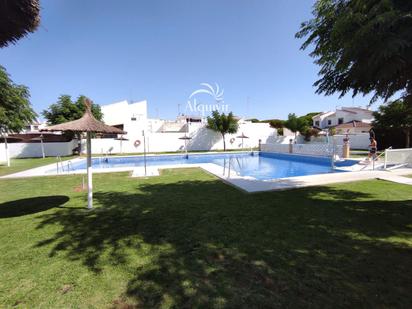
[(121, 139), (90, 125), (18, 18), (40, 138), (186, 138), (242, 137)]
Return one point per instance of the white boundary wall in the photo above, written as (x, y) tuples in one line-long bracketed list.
[(2, 153), (202, 139), (33, 150)]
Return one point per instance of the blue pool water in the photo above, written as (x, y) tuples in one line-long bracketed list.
[(261, 166)]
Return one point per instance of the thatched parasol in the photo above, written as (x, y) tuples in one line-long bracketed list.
[(87, 124), (185, 138), (121, 139), (17, 19), (242, 137)]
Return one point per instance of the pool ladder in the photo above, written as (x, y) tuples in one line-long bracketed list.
[(60, 165), (230, 165)]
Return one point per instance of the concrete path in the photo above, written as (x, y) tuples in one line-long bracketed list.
[(398, 179)]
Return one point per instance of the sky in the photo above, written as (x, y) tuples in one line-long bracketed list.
[(162, 50)]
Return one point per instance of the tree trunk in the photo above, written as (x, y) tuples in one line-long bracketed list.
[(224, 142)]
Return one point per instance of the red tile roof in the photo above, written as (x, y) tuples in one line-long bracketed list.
[(353, 124)]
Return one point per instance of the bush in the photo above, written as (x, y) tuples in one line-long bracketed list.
[(310, 132)]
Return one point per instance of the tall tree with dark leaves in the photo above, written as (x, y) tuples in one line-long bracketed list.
[(395, 115), (65, 110), (15, 108), (363, 46)]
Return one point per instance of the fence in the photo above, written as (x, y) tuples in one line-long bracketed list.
[(305, 149), (398, 157)]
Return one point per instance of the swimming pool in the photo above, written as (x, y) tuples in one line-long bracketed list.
[(261, 166)]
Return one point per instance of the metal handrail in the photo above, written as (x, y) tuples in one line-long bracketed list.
[(385, 152), (333, 154), (59, 160), (230, 165), (69, 166), (377, 157)]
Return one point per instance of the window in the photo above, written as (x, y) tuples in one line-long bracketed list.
[(317, 123), (340, 120), (329, 122)]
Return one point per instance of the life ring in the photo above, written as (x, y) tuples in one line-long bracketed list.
[(232, 140), (137, 143)]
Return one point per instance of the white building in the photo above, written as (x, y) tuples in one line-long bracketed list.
[(34, 127), (342, 116), (131, 118)]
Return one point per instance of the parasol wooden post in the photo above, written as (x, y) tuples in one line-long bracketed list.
[(42, 148), (7, 151), (89, 172)]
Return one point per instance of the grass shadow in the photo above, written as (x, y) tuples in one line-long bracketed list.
[(31, 205), (209, 245)]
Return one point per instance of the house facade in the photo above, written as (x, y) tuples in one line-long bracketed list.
[(344, 115), (130, 117)]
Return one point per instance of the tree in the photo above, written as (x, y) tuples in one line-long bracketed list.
[(296, 124), (65, 110), (223, 124), (361, 45), (309, 132), (276, 123), (308, 117), (15, 108), (395, 115)]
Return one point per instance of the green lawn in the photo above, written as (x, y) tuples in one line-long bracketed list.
[(187, 240), (18, 165)]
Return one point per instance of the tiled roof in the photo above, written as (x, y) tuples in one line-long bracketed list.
[(353, 124)]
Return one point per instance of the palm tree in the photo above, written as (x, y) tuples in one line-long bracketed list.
[(223, 124)]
